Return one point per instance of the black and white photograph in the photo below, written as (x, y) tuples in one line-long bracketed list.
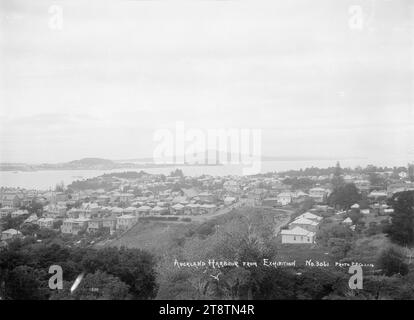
[(206, 150)]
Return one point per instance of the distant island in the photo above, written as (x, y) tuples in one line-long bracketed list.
[(88, 164), (137, 163)]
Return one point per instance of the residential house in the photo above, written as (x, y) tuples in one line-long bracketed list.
[(365, 211), (10, 234), (5, 211), (310, 216), (94, 225), (89, 210), (126, 197), (144, 210), (103, 200), (377, 195), (126, 222), (399, 187), (206, 197), (192, 209), (10, 200), (318, 194), (45, 223), (304, 223), (231, 186), (109, 223), (207, 208), (130, 210), (363, 185), (74, 226), (31, 219), (297, 235), (157, 210), (257, 195), (284, 198), (190, 193), (74, 213), (19, 213), (229, 200), (54, 211), (117, 211), (177, 209)]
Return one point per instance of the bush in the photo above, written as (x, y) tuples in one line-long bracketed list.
[(392, 261)]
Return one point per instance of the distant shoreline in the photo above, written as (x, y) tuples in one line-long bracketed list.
[(124, 167)]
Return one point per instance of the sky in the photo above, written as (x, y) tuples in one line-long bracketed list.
[(319, 78)]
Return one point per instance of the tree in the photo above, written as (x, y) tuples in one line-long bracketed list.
[(60, 187), (29, 229), (336, 231), (12, 223), (57, 224), (376, 180), (337, 179), (177, 173), (132, 266), (298, 183), (97, 286), (401, 230), (339, 247), (35, 208), (391, 261), (23, 283), (344, 196)]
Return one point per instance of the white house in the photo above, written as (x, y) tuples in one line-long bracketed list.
[(74, 226), (297, 235), (117, 211), (10, 234), (231, 186), (365, 211), (318, 194), (126, 222), (284, 198), (54, 211), (177, 209), (304, 223), (229, 200), (207, 208), (157, 210), (144, 210), (31, 219), (130, 210), (45, 223), (19, 213), (192, 209), (347, 221), (94, 225), (310, 216), (5, 211)]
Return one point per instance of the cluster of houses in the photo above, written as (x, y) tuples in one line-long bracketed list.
[(286, 197), (123, 200), (302, 229), (117, 210)]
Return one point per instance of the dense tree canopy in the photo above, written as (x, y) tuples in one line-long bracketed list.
[(344, 196), (391, 261), (128, 272), (401, 230)]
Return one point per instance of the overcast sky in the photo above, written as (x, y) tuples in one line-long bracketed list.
[(316, 83)]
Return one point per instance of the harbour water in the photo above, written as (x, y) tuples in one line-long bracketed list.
[(44, 180)]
